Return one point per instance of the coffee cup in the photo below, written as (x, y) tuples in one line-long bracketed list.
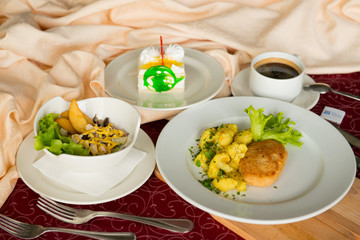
[(277, 75)]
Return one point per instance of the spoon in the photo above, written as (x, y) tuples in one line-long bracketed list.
[(324, 88)]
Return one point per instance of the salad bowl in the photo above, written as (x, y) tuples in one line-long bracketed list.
[(120, 113)]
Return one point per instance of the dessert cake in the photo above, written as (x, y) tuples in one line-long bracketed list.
[(161, 70)]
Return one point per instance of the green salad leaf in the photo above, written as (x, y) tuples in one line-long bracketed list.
[(49, 137), (272, 127)]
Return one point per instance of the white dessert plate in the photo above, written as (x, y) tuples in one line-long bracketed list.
[(205, 77), (42, 185), (240, 87), (316, 176)]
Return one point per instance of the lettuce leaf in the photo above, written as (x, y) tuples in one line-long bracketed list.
[(49, 137), (265, 127)]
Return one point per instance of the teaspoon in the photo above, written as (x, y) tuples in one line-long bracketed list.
[(324, 88)]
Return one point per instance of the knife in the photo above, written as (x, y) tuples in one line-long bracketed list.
[(349, 137), (352, 140)]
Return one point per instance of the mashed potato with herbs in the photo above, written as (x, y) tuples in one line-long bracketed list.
[(221, 149)]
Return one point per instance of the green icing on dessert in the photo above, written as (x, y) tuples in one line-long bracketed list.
[(160, 79)]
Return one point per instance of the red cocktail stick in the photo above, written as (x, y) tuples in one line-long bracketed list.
[(162, 51)]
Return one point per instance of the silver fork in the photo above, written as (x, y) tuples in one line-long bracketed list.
[(30, 231), (77, 216)]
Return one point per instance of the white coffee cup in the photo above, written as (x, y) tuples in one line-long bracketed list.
[(272, 82)]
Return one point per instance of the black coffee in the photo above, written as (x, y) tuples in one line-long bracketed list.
[(277, 70)]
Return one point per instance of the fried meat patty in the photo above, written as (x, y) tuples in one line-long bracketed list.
[(263, 163)]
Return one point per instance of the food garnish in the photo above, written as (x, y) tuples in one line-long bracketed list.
[(101, 139), (269, 127)]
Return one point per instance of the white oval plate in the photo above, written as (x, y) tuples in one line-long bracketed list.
[(42, 185), (204, 79), (240, 87), (315, 177)]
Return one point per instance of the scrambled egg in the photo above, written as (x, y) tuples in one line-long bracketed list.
[(221, 149)]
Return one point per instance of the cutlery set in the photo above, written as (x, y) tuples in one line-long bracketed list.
[(324, 88), (78, 216)]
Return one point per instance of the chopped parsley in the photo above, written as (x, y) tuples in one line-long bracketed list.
[(210, 154), (208, 184), (193, 153), (198, 164), (221, 174)]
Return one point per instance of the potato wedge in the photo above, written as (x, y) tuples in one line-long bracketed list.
[(88, 119), (65, 114), (66, 124), (76, 117)]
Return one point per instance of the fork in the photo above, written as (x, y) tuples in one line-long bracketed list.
[(30, 231), (78, 216)]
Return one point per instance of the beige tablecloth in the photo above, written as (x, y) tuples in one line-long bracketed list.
[(60, 47)]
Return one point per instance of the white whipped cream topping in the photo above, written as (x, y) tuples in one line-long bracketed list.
[(176, 52), (173, 51), (148, 55)]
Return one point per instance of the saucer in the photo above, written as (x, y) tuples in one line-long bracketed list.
[(240, 87), (205, 78), (49, 188)]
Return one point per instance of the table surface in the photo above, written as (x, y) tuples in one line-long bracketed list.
[(156, 199)]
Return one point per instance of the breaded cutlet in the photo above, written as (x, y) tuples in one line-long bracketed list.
[(263, 163)]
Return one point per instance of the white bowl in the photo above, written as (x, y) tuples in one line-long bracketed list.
[(120, 113)]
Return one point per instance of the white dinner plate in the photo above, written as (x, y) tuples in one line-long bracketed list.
[(316, 176), (42, 185), (240, 87), (205, 77)]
